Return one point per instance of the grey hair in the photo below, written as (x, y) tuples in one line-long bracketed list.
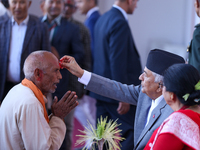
[(33, 61), (158, 78)]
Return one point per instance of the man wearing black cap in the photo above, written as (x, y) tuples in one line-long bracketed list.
[(152, 109)]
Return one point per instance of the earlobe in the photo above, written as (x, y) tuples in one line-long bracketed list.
[(38, 74), (171, 100), (159, 89), (173, 97)]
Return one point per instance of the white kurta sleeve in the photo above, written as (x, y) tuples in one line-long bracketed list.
[(85, 79)]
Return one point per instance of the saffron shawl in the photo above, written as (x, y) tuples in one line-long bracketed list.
[(38, 95)]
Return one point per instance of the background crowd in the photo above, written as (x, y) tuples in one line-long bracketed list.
[(103, 45)]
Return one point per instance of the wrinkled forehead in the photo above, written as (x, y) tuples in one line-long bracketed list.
[(52, 64), (147, 70)]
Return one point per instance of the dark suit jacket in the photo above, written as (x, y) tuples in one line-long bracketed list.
[(67, 42), (194, 49), (74, 85), (4, 17), (90, 24), (36, 38), (115, 55)]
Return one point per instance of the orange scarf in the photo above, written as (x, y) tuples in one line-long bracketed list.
[(38, 95)]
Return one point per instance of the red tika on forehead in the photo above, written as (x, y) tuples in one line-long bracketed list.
[(60, 65), (61, 60)]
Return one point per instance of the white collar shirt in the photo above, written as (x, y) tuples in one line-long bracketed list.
[(122, 11), (154, 104), (16, 45), (57, 20)]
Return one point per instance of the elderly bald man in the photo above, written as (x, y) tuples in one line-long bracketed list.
[(24, 120), (152, 109)]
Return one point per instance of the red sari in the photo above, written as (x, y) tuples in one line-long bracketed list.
[(180, 131)]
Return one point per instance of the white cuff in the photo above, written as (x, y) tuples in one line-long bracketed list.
[(85, 79)]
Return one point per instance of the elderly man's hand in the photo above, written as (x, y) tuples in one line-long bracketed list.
[(65, 105), (70, 64)]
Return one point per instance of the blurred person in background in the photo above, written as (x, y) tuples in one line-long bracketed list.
[(66, 39), (20, 35), (91, 10), (4, 10), (86, 109), (194, 47)]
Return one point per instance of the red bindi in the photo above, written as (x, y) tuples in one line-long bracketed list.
[(60, 63)]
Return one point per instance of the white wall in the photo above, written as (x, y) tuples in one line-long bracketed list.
[(165, 24), (162, 24), (35, 8)]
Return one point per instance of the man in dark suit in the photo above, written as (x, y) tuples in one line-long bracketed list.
[(90, 9), (194, 47), (65, 37), (68, 11), (116, 57), (19, 36)]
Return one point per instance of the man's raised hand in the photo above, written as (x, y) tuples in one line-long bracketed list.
[(70, 64)]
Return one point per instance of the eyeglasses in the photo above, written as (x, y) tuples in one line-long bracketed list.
[(161, 84), (70, 5)]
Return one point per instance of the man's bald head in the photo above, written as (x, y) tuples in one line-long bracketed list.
[(37, 59)]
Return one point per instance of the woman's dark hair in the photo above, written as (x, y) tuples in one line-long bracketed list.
[(181, 79)]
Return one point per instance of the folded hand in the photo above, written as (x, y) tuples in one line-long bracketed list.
[(65, 105)]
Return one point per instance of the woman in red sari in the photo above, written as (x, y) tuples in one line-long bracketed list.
[(181, 130)]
